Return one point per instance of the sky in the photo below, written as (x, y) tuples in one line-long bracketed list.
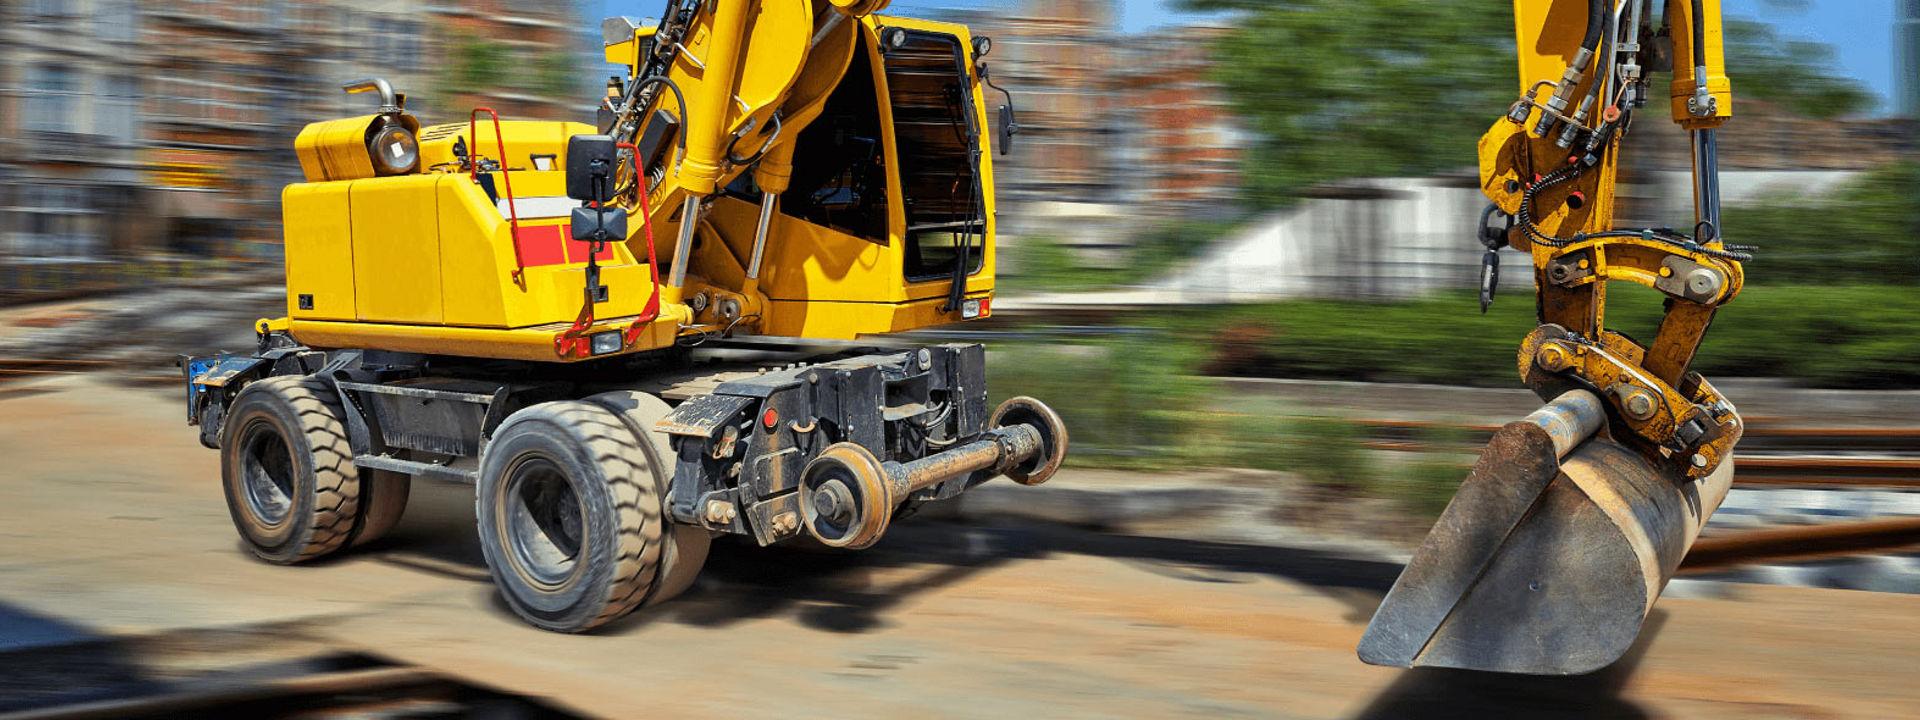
[(1860, 31)]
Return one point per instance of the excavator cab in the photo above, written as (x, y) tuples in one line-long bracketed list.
[(1563, 534)]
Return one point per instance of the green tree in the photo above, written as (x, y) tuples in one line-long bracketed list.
[(1865, 233), (1370, 88), (1794, 74), (1355, 88), (558, 76), (479, 64)]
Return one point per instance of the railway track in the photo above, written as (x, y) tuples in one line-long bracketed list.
[(1774, 454)]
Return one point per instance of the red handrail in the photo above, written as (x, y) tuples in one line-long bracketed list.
[(506, 178), (574, 336), (652, 310)]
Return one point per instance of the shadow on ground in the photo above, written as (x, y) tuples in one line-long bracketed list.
[(837, 591), (1445, 693)]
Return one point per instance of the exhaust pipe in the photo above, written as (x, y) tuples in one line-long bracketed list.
[(1550, 555), (847, 495)]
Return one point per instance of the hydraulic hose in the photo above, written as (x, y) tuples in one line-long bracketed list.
[(1596, 17), (1699, 37), (1576, 70)]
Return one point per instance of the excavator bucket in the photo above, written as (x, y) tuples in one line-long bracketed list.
[(1549, 556)]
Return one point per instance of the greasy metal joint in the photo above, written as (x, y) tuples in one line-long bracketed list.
[(1555, 357), (1637, 402)]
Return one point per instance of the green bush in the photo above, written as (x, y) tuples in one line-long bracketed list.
[(1846, 336), (1129, 401)]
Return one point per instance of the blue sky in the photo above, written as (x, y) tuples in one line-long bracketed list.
[(1860, 31)]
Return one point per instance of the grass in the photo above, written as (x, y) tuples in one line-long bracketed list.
[(1143, 400), (1861, 336)]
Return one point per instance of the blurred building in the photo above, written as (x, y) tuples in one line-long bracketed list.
[(520, 58), (1057, 59), (1114, 128), (70, 128), (218, 73), (129, 128), (1184, 144)]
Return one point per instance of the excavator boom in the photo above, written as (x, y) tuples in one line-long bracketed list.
[(1564, 533)]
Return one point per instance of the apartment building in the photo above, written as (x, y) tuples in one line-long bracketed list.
[(70, 129)]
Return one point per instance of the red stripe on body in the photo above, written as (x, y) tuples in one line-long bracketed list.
[(540, 244), (577, 249)]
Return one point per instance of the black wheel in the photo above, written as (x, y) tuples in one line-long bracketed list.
[(685, 548), (383, 499), (287, 471), (569, 516)]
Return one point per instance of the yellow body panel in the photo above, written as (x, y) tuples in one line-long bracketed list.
[(534, 343), (323, 244), (396, 250), (475, 257), (850, 320)]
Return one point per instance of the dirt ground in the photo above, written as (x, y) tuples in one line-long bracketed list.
[(112, 524)]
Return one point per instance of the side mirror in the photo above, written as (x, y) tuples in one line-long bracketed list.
[(590, 163), (601, 224), (1008, 128)]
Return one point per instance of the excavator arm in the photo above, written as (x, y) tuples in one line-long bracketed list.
[(1563, 534)]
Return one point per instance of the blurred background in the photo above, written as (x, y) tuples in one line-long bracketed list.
[(1236, 252)]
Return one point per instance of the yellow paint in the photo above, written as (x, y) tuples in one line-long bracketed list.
[(1683, 72), (1548, 34), (337, 149), (849, 320), (319, 246), (396, 250), (532, 343), (425, 262)]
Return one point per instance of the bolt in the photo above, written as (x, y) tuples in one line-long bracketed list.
[(785, 522), (1554, 357), (926, 358), (833, 500), (1638, 404), (1699, 461), (720, 512), (1703, 282)]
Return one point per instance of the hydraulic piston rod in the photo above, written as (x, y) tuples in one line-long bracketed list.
[(767, 202), (1706, 182)]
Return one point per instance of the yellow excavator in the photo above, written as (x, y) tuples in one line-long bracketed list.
[(1568, 527), (604, 329)]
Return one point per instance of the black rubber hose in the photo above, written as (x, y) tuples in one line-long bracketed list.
[(1596, 23), (1699, 36), (1601, 62)]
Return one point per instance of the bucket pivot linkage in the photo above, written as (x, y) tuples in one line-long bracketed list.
[(1549, 556)]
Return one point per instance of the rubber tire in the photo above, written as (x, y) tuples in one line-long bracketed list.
[(305, 413), (686, 546), (383, 499), (619, 549)]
